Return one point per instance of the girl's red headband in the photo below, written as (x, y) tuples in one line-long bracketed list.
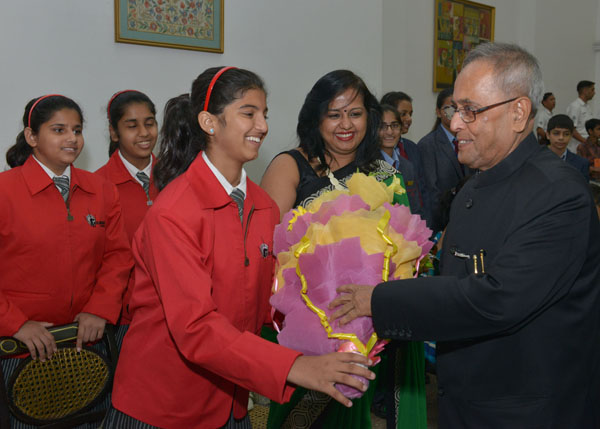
[(115, 95), (212, 84), (36, 103)]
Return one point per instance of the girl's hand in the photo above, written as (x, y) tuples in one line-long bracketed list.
[(38, 339), (320, 373), (91, 328)]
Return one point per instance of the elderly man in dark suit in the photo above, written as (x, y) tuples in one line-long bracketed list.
[(516, 311)]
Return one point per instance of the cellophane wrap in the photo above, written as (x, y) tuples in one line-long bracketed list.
[(352, 236)]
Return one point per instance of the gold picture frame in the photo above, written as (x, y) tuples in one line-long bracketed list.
[(181, 24), (460, 25)]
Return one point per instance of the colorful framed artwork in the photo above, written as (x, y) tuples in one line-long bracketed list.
[(180, 24), (460, 25)]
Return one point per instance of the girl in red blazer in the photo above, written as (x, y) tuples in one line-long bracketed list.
[(133, 132), (204, 266), (64, 255)]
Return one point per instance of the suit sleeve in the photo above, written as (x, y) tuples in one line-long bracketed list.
[(117, 262), (175, 257), (535, 268), (430, 180)]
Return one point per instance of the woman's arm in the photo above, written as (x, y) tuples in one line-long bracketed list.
[(281, 180)]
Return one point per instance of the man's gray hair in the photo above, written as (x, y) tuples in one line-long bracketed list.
[(517, 71)]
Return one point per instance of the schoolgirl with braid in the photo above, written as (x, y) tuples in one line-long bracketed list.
[(64, 254)]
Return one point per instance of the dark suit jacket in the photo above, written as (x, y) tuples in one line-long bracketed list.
[(518, 346), (414, 156), (441, 171), (580, 163)]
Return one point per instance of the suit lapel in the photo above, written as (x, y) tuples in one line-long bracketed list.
[(446, 149)]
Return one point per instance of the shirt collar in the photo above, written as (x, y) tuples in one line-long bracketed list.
[(449, 135), (564, 155), (391, 159), (222, 180), (133, 170), (50, 173)]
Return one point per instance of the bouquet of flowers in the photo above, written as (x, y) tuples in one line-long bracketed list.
[(342, 237)]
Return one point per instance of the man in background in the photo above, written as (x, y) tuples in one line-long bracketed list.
[(543, 116), (580, 111)]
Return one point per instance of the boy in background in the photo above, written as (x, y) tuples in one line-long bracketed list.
[(559, 132)]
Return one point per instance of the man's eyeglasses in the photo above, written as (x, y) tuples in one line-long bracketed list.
[(468, 114), (394, 126)]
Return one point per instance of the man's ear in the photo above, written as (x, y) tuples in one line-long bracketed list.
[(114, 136), (30, 138), (521, 111), (207, 122)]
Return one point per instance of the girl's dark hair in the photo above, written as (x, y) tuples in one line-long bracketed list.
[(315, 108), (18, 153), (181, 136), (444, 93), (389, 108), (116, 109)]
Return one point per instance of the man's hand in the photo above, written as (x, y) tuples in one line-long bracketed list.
[(38, 339), (354, 301), (91, 328), (320, 373)]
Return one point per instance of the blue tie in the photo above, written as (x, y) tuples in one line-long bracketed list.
[(238, 196), (62, 183), (143, 177)]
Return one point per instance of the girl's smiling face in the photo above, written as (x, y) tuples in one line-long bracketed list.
[(59, 140), (136, 133)]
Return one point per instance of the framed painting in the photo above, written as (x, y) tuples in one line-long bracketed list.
[(460, 25), (180, 24)]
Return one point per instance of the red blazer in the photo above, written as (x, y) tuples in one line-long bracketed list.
[(134, 205), (54, 268), (203, 282)]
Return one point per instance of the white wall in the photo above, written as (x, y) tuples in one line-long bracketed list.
[(560, 33), (67, 46)]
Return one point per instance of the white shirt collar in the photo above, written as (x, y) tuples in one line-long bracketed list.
[(222, 180), (133, 170), (50, 173)]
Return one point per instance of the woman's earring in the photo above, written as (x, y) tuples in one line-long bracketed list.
[(212, 131)]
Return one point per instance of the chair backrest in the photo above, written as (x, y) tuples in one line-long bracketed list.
[(62, 391)]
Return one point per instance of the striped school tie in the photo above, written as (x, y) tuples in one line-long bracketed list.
[(62, 183), (238, 196), (143, 177)]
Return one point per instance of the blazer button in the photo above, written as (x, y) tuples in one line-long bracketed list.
[(441, 392), (469, 203)]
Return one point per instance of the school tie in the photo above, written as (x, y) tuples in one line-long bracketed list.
[(455, 144), (143, 177), (238, 196), (403, 153), (62, 183)]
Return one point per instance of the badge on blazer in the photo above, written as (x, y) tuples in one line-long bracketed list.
[(91, 220), (264, 250)]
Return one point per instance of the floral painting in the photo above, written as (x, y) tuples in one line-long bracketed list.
[(185, 24), (460, 26)]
